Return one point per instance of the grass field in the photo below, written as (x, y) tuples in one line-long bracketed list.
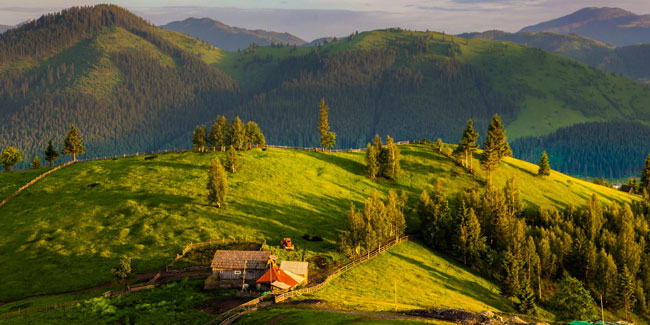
[(66, 232), (291, 316)]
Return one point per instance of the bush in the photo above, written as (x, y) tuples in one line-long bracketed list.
[(572, 301)]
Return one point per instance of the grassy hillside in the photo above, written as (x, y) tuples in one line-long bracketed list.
[(67, 231), (289, 316)]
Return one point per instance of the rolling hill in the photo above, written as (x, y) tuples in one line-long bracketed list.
[(78, 221), (131, 87), (629, 61), (608, 25), (227, 37)]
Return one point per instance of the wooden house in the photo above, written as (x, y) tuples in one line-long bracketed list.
[(237, 265), (627, 189), (297, 268)]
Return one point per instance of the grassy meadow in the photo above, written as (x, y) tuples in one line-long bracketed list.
[(299, 316), (66, 232)]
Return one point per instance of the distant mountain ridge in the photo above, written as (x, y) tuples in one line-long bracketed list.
[(228, 37), (609, 25), (4, 28)]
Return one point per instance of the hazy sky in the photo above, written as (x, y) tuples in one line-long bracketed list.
[(311, 19)]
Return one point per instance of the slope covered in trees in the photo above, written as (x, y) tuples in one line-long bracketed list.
[(130, 87)]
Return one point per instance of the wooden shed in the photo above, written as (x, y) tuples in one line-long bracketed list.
[(297, 267), (627, 189), (248, 265)]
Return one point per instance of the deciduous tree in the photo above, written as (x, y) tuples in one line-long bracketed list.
[(36, 163), (199, 138), (10, 157), (231, 160)]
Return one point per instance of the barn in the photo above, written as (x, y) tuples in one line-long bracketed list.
[(237, 265)]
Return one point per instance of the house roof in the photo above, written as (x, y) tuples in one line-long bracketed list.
[(276, 274), (626, 188), (237, 260), (295, 267)]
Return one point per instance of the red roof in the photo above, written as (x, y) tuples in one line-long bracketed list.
[(277, 274)]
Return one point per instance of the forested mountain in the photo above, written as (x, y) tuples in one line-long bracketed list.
[(630, 61), (228, 37), (614, 150), (609, 25), (4, 28), (131, 87)]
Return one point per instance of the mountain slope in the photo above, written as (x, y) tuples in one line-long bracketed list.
[(4, 28), (227, 37), (150, 209), (609, 25)]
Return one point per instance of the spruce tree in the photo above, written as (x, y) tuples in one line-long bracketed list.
[(511, 286), (237, 133), (495, 147), (527, 300), (544, 167), (73, 143), (327, 139), (217, 184), (10, 157), (390, 166), (645, 176), (490, 158), (231, 160), (626, 288), (50, 153), (395, 214), (467, 145), (36, 163), (199, 138), (372, 163), (470, 243), (218, 133)]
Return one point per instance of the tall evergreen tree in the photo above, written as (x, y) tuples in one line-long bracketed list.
[(50, 153), (217, 183), (470, 243), (237, 133), (73, 143), (36, 163), (10, 157), (327, 138), (199, 138), (395, 214), (511, 286), (495, 147), (544, 167), (645, 176), (605, 276), (372, 163), (467, 145), (390, 166), (231, 160), (219, 133), (626, 290), (527, 300)]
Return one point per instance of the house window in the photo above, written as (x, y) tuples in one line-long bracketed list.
[(237, 272)]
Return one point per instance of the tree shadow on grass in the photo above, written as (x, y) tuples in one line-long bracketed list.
[(466, 287), (349, 165), (525, 171)]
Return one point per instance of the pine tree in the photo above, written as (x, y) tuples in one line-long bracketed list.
[(199, 138), (467, 145), (389, 167), (645, 176), (470, 243), (372, 163), (605, 276), (36, 163), (527, 300), (218, 133), (327, 139), (73, 143), (237, 133), (10, 157), (395, 214), (511, 281), (625, 292), (231, 160), (490, 158), (495, 147), (544, 167), (217, 184), (50, 153)]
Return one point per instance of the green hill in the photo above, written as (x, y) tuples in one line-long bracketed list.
[(68, 230), (132, 87)]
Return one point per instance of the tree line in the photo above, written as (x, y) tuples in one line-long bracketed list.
[(223, 134)]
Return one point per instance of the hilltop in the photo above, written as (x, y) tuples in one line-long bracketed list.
[(228, 37), (78, 221), (609, 25), (131, 87)]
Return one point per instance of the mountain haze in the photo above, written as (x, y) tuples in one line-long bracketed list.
[(227, 37), (4, 28), (609, 25)]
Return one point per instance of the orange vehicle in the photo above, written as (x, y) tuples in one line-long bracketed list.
[(286, 244)]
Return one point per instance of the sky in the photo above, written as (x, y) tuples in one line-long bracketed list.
[(310, 19)]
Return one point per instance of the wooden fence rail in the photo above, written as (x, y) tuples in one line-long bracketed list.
[(33, 181)]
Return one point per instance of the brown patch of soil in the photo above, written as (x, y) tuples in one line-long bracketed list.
[(219, 305), (277, 319)]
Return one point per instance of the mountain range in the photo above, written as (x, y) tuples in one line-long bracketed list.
[(613, 26), (130, 87), (228, 37), (4, 28)]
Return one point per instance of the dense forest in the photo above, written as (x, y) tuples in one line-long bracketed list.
[(613, 150), (131, 87)]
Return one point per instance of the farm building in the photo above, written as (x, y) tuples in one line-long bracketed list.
[(231, 265), (297, 268), (627, 189), (278, 279)]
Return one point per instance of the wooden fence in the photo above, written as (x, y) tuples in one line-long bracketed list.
[(236, 312), (33, 181), (20, 312)]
